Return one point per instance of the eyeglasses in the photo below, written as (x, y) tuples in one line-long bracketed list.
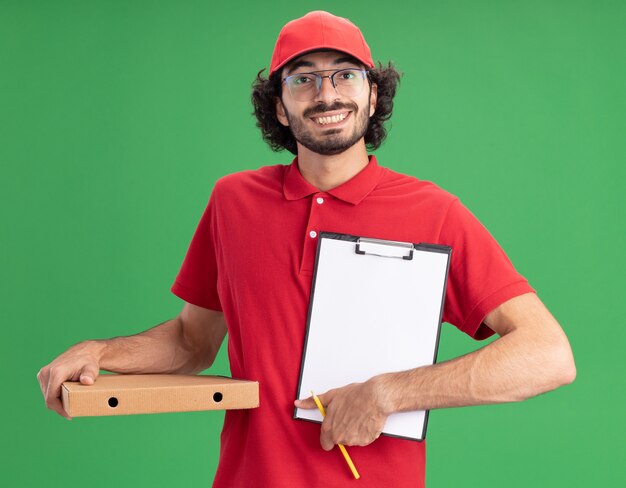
[(304, 87)]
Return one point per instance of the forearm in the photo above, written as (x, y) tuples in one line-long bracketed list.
[(512, 368), (162, 349), (531, 356)]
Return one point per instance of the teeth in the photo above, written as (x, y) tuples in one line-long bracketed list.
[(331, 120)]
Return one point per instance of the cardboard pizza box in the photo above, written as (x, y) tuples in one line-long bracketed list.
[(114, 394)]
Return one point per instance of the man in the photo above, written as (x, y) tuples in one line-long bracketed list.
[(249, 266)]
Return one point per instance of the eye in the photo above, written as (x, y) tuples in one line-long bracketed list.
[(302, 79), (348, 74)]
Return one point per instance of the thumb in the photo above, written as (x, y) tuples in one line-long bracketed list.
[(307, 403), (89, 374)]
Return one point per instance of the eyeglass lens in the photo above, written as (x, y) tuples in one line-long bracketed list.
[(305, 86)]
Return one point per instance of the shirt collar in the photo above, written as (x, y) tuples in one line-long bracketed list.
[(352, 191)]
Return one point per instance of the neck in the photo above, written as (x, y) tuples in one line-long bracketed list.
[(328, 172)]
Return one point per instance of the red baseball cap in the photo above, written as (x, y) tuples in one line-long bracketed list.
[(319, 30)]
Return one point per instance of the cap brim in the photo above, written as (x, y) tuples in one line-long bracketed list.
[(324, 47)]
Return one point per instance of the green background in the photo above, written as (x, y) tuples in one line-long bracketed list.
[(117, 117)]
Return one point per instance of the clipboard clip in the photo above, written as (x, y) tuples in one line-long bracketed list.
[(384, 249)]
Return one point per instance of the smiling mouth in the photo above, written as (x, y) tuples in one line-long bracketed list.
[(331, 119)]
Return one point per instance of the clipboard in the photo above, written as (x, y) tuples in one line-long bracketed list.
[(376, 307)]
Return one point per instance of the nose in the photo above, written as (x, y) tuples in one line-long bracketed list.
[(327, 92)]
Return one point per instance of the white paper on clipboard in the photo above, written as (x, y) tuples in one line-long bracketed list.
[(376, 307)]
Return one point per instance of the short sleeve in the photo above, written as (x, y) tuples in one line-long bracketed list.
[(196, 282), (481, 276)]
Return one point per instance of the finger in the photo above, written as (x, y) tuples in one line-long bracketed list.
[(53, 395), (326, 437), (326, 443), (327, 397), (40, 381), (88, 374), (57, 405), (307, 403), (43, 376)]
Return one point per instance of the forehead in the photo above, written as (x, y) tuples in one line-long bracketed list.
[(320, 60)]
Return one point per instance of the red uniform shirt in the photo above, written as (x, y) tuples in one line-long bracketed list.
[(252, 257)]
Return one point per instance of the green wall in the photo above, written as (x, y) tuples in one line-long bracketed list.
[(116, 118)]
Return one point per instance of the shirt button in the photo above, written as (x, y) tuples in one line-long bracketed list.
[(313, 234), (320, 200)]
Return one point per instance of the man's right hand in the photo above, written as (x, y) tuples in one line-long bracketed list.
[(186, 344), (79, 363)]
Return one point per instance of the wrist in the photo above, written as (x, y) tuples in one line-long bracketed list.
[(94, 348), (383, 389)]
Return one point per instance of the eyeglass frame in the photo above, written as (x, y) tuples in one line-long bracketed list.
[(331, 77)]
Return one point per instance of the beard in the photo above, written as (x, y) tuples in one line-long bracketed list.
[(330, 141)]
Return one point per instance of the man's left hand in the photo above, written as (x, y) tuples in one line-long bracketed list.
[(355, 414)]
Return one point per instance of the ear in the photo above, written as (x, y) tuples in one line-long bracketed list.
[(373, 98), (280, 112)]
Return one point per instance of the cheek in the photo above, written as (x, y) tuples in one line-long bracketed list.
[(288, 117)]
